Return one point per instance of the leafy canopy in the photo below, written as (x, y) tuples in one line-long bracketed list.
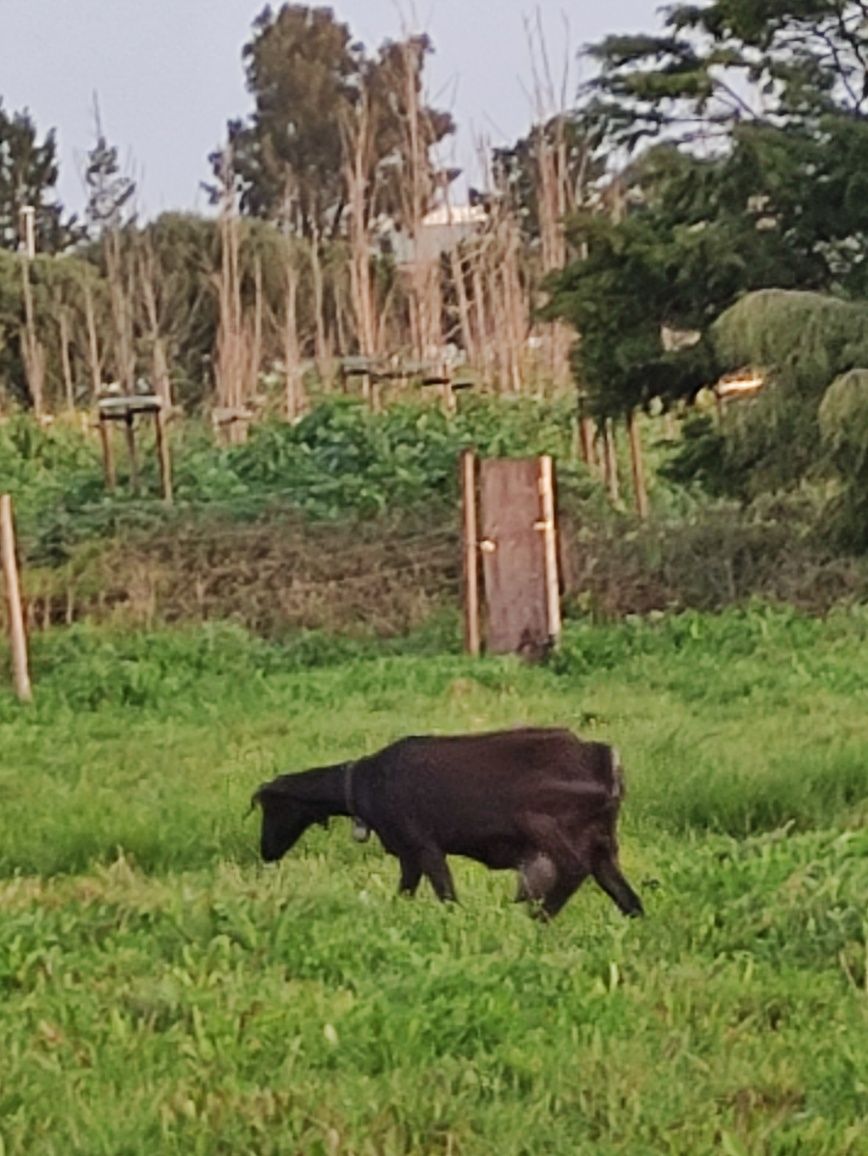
[(28, 176), (308, 77)]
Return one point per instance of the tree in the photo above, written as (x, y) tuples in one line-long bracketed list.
[(747, 128), (109, 191), (28, 176), (779, 90), (307, 76), (302, 69), (727, 62)]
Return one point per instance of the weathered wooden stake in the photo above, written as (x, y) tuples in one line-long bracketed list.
[(17, 634), (129, 429), (108, 458), (472, 637), (639, 487), (550, 540)]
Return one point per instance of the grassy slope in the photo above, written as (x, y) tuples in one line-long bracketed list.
[(177, 997)]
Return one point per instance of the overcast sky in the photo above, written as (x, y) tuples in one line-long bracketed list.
[(169, 74)]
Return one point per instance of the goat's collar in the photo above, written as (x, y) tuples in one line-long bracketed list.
[(361, 830)]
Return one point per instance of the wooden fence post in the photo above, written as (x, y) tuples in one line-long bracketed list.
[(472, 637), (550, 540), (17, 635), (108, 458), (130, 430), (165, 459)]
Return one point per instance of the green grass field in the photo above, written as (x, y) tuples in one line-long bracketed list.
[(162, 992)]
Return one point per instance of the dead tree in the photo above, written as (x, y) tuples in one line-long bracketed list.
[(359, 162), (32, 349), (232, 360), (149, 280)]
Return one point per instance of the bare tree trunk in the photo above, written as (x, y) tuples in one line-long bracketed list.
[(468, 340), (358, 149), (486, 344), (639, 487), (610, 462), (159, 359), (291, 347), (559, 190), (322, 350), (66, 365), (33, 353), (424, 287), (230, 363), (121, 307), (255, 367), (94, 357)]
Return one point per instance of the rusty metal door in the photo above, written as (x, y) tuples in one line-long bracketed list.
[(513, 557)]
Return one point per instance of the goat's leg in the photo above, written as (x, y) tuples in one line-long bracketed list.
[(434, 865), (567, 884), (411, 873), (607, 873)]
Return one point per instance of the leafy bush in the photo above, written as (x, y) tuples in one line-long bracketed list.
[(340, 461)]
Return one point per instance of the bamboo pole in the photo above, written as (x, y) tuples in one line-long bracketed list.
[(550, 541), (472, 637), (639, 486), (17, 634)]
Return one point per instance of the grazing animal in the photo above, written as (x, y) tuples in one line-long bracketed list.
[(538, 800)]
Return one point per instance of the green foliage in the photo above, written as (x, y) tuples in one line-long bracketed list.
[(28, 176), (340, 461), (59, 285), (807, 59), (635, 278), (844, 428), (804, 339), (802, 343), (109, 190), (161, 991), (308, 77), (779, 202), (844, 420)]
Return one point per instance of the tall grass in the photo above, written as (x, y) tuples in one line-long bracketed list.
[(160, 991)]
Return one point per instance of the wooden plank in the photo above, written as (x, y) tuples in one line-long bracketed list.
[(472, 634), (513, 557), (17, 634), (549, 528)]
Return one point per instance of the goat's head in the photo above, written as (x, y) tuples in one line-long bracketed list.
[(284, 819)]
